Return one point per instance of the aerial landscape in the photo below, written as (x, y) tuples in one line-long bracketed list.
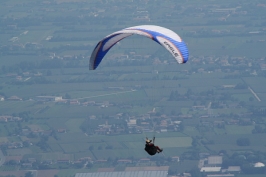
[(58, 118)]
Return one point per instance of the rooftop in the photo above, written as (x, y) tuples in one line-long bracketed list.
[(125, 173)]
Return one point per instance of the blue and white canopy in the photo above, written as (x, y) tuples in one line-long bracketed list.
[(165, 37)]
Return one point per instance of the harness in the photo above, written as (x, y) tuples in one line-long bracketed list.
[(151, 150)]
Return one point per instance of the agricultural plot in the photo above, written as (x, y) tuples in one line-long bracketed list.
[(175, 142), (57, 122), (34, 36), (190, 131), (49, 89), (136, 145), (235, 129), (243, 97), (14, 139), (170, 151), (255, 139), (72, 137), (262, 96), (7, 107), (19, 151), (14, 60), (55, 147), (121, 153), (73, 147), (73, 125), (3, 139), (116, 145), (229, 111), (144, 107), (122, 138), (219, 131), (232, 148), (125, 69), (179, 103), (59, 111), (56, 156), (3, 132)]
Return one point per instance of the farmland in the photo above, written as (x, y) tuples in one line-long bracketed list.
[(55, 113)]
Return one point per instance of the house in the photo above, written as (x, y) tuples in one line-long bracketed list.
[(66, 161), (14, 98), (48, 98), (144, 160), (5, 118), (175, 159), (74, 102), (132, 123), (61, 130), (85, 159), (229, 86), (124, 161), (101, 161)]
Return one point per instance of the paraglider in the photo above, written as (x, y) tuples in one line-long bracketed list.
[(150, 148), (163, 36)]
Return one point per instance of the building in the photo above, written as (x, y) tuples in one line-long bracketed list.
[(125, 173), (210, 169), (259, 164), (14, 98), (175, 159), (221, 175), (234, 169), (2, 98), (215, 160), (48, 98)]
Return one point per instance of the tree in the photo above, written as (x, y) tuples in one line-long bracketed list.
[(195, 172), (89, 165), (29, 174), (251, 99), (67, 96), (243, 142)]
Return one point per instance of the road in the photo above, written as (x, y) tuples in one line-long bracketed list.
[(255, 95), (116, 93), (2, 158)]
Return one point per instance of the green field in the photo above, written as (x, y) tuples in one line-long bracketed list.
[(234, 129), (74, 124)]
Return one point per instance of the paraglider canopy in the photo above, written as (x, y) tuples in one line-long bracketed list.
[(163, 36)]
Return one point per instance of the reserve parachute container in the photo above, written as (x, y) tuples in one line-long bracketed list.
[(163, 36)]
